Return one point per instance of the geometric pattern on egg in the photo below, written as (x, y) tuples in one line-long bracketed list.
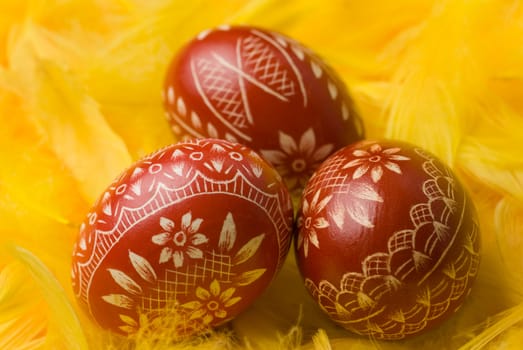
[(199, 227), (388, 240), (265, 90)]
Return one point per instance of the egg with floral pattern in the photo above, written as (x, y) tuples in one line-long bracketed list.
[(187, 237), (265, 90), (387, 239)]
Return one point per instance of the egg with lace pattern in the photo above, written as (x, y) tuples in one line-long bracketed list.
[(265, 90), (186, 238), (387, 239)]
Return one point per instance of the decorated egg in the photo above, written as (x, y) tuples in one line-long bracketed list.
[(191, 234), (264, 90), (387, 239)]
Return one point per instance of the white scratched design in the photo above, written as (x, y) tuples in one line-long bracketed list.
[(234, 180), (436, 295), (259, 60)]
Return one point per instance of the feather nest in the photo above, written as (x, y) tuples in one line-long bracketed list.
[(80, 82)]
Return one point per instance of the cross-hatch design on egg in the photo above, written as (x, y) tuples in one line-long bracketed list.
[(222, 83), (180, 281), (179, 239), (354, 302)]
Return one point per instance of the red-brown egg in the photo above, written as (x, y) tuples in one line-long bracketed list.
[(264, 90), (387, 239), (197, 229)]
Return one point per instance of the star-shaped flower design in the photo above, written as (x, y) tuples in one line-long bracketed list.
[(296, 160), (182, 242), (375, 160), (311, 221), (212, 303)]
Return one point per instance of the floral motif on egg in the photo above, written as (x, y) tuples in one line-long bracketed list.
[(406, 259), (264, 90), (178, 238)]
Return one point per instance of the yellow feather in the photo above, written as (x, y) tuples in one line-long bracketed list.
[(77, 131), (437, 82), (508, 222), (64, 328), (503, 328), (126, 79), (502, 59), (40, 205), (352, 34), (320, 340), (22, 322), (71, 120)]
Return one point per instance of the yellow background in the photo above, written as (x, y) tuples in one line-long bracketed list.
[(80, 99)]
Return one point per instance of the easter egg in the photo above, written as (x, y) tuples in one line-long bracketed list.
[(187, 237), (387, 239), (264, 90)]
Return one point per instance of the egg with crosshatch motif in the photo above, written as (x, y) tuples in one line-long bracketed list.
[(265, 90), (191, 234), (387, 239)]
